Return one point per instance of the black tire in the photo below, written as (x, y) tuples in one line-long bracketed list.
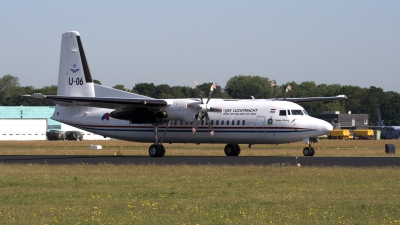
[(162, 151), (155, 151), (312, 151), (229, 149), (306, 151), (237, 150)]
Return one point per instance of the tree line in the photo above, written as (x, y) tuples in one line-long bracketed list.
[(359, 100)]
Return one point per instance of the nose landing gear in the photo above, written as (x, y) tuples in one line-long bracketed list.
[(309, 151)]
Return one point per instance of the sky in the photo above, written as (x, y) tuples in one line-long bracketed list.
[(178, 42)]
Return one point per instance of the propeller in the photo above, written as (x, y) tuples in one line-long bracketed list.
[(204, 108), (273, 84), (288, 88)]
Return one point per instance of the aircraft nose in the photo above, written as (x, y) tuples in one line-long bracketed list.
[(326, 127)]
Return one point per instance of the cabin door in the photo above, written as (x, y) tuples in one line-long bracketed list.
[(260, 124)]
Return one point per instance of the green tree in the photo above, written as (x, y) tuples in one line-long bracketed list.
[(96, 82), (9, 90), (217, 92), (147, 89), (183, 92), (243, 87), (163, 91), (120, 87)]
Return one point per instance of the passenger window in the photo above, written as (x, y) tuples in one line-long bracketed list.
[(233, 122), (243, 122), (238, 122), (212, 122), (202, 122), (282, 112), (186, 123), (181, 122), (227, 122), (175, 122), (222, 122), (216, 122)]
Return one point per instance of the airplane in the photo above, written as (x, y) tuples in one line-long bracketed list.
[(387, 132), (127, 116)]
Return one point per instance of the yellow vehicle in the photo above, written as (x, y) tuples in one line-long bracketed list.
[(339, 135), (364, 134)]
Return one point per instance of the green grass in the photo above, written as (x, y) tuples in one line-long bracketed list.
[(182, 194), (125, 148)]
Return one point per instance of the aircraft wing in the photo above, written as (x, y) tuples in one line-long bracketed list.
[(314, 99), (102, 102)]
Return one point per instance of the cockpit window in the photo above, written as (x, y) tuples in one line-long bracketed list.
[(282, 112), (305, 112), (297, 112)]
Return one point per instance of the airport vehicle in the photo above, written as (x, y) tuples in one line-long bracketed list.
[(128, 116), (340, 135), (55, 135), (364, 134), (74, 135)]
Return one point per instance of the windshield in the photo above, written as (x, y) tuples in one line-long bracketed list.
[(297, 112)]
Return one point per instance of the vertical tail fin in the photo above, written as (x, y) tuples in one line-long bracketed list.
[(74, 78), (380, 122)]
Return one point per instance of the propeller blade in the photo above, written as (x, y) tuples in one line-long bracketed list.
[(213, 86), (288, 88), (209, 124), (198, 91), (199, 117)]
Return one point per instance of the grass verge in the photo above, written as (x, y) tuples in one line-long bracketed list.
[(182, 194), (125, 148)]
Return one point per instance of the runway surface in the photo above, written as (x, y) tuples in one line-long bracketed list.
[(204, 160)]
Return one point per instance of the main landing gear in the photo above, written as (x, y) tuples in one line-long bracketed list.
[(232, 150), (157, 149), (309, 151)]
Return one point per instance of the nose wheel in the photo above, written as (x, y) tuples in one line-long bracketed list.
[(309, 151)]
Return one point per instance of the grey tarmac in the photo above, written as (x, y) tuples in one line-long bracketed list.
[(203, 160)]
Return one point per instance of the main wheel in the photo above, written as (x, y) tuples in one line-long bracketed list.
[(228, 149), (162, 151), (312, 151), (306, 151), (232, 150), (237, 150), (155, 150)]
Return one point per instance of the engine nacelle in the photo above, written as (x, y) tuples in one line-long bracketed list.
[(136, 116), (179, 110)]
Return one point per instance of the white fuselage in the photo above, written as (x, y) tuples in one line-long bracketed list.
[(241, 122)]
